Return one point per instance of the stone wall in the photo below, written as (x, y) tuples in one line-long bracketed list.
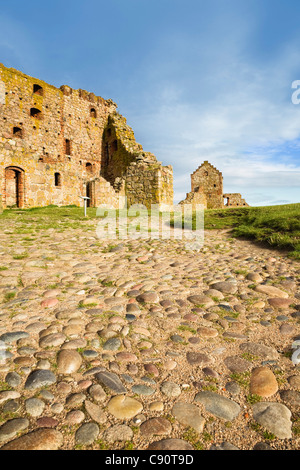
[(234, 200), (207, 189), (149, 183), (208, 180), (195, 198), (58, 144)]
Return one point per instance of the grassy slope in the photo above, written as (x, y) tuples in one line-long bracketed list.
[(279, 226)]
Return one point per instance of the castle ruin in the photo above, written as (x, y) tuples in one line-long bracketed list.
[(57, 144), (207, 189)]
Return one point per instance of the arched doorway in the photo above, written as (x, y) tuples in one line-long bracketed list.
[(14, 187)]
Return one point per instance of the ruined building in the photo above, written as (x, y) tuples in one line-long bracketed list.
[(57, 144), (207, 189)]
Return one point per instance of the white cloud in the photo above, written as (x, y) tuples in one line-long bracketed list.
[(242, 126)]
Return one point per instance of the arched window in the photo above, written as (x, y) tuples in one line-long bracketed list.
[(36, 113), (93, 113), (38, 90), (57, 179), (17, 132), (89, 167)]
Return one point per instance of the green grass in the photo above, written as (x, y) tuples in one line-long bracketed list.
[(278, 226), (9, 296), (36, 219)]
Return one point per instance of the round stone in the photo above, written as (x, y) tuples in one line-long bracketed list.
[(237, 364), (218, 405), (86, 434), (263, 382), (156, 426), (125, 356), (13, 379), (119, 432), (170, 389), (39, 378), (47, 422), (280, 303), (148, 297), (188, 415), (195, 358), (75, 417), (53, 339), (226, 287), (112, 344), (156, 406), (275, 417), (95, 412), (123, 407), (207, 332), (34, 406), (255, 277), (294, 381), (68, 361), (49, 302), (201, 300)]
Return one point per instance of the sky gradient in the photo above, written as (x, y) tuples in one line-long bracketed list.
[(196, 79)]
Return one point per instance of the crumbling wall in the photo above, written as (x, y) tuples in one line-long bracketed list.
[(234, 200), (209, 180), (125, 164), (37, 121), (149, 183), (67, 143), (195, 198), (207, 189)]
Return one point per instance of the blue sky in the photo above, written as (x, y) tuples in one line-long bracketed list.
[(196, 79)]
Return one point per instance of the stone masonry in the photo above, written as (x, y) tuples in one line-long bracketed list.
[(207, 189), (57, 144)]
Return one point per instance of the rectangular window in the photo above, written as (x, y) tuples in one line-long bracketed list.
[(68, 147), (57, 179)]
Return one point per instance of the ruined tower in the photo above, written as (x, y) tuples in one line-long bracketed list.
[(207, 189), (209, 181)]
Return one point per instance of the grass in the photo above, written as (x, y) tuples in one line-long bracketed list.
[(242, 378), (278, 226), (22, 256), (253, 398), (192, 437), (35, 219), (9, 296)]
